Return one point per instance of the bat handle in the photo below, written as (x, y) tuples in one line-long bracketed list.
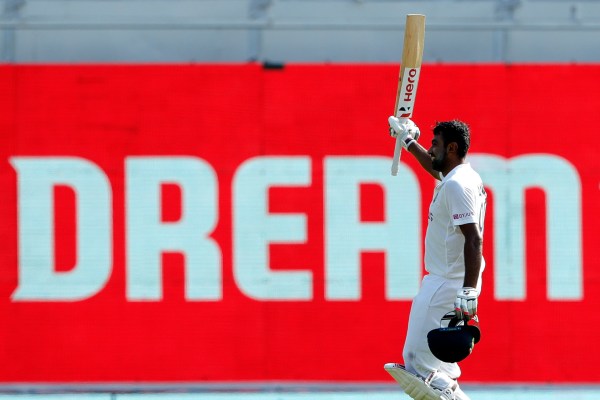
[(396, 159)]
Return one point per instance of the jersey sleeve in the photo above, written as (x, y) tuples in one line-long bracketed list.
[(462, 203)]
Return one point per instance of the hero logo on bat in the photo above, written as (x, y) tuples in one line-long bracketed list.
[(410, 81)]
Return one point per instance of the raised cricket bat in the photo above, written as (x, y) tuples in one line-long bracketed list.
[(410, 68)]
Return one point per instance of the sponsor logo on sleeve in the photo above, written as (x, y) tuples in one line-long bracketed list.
[(463, 215)]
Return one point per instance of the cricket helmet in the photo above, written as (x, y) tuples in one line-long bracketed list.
[(454, 342)]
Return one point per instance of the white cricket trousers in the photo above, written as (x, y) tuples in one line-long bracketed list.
[(435, 298)]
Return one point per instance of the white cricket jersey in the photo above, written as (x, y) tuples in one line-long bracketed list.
[(458, 199)]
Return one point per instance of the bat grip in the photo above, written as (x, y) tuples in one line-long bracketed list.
[(397, 153)]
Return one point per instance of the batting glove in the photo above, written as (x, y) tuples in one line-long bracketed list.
[(405, 129), (465, 304)]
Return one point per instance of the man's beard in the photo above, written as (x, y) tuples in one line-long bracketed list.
[(438, 163)]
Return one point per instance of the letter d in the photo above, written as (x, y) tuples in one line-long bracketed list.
[(38, 279)]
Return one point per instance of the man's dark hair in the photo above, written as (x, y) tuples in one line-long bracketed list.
[(454, 131)]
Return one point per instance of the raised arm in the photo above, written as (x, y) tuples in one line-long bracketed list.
[(423, 158), (409, 133)]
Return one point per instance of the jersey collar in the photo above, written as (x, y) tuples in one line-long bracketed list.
[(454, 170)]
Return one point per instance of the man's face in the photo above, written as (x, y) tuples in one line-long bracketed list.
[(437, 152)]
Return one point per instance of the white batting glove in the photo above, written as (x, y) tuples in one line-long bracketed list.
[(465, 304), (405, 129)]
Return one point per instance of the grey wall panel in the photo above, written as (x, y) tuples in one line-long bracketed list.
[(118, 45), (296, 30), (563, 46)]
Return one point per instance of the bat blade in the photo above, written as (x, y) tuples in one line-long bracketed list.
[(410, 70)]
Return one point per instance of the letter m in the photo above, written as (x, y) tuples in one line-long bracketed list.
[(508, 179)]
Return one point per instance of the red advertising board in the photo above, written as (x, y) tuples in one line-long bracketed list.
[(233, 223)]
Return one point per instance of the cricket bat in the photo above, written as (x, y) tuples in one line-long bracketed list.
[(410, 69)]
